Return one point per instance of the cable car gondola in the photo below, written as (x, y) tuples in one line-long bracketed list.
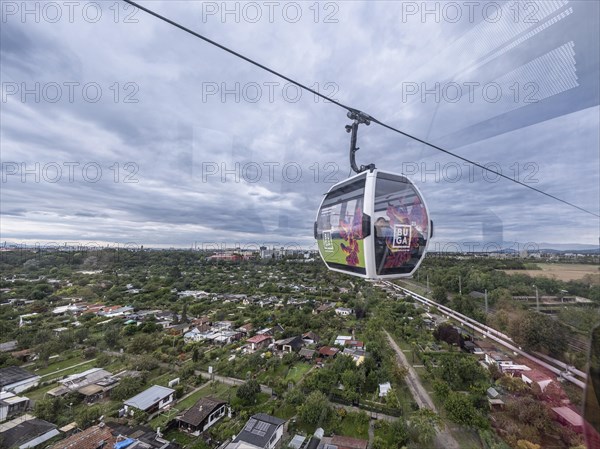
[(374, 225)]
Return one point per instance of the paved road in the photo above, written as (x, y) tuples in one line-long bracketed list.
[(444, 439)]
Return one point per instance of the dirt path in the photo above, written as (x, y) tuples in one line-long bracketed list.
[(444, 439), (371, 433)]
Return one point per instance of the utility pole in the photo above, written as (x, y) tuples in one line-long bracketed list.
[(486, 301), (459, 285), (427, 282), (537, 299)]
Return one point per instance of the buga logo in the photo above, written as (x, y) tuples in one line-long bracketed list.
[(402, 234), (327, 243)]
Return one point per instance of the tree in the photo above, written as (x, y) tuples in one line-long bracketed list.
[(141, 343), (112, 337), (127, 388), (184, 318), (247, 392), (440, 294), (422, 426), (539, 332), (448, 333), (48, 409), (460, 409), (87, 415), (315, 410)]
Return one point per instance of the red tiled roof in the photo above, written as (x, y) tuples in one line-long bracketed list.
[(90, 438), (258, 339), (328, 351)]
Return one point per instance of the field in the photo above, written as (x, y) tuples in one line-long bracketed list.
[(562, 272)]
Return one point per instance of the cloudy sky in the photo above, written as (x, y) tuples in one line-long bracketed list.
[(119, 128)]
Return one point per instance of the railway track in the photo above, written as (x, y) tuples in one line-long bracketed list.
[(569, 373)]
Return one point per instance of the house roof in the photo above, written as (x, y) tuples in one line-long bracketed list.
[(258, 338), (569, 415), (200, 410), (90, 438), (259, 429), (310, 335), (328, 351), (537, 376), (20, 431), (348, 442), (8, 346), (14, 374), (90, 390), (86, 378), (305, 352), (297, 441), (324, 307), (149, 397), (145, 435), (297, 340), (492, 393)]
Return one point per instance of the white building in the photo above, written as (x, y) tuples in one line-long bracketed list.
[(343, 311), (11, 405), (16, 379), (152, 400)]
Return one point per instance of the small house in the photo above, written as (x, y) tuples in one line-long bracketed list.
[(259, 341), (202, 415), (152, 400), (291, 344), (261, 431)]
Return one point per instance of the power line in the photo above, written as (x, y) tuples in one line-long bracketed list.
[(348, 108)]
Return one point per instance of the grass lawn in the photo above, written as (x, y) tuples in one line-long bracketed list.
[(67, 372), (39, 393), (59, 365), (184, 439), (163, 418), (219, 390), (285, 411), (354, 424), (163, 379), (297, 371)]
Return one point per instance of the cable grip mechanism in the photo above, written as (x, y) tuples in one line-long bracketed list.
[(358, 118)]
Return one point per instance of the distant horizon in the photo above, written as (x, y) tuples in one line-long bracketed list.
[(435, 246)]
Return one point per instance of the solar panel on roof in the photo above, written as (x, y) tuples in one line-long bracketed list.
[(250, 425), (263, 426)]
